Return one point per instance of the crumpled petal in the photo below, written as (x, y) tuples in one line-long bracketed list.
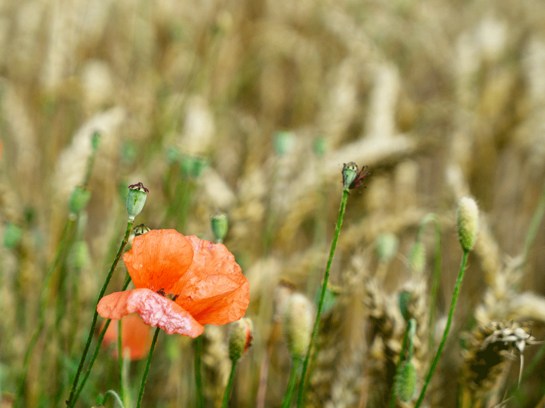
[(213, 289), (154, 310), (158, 259)]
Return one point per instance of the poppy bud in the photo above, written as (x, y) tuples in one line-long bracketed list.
[(95, 140), (405, 384), (468, 220), (240, 338), (320, 146), (297, 319), (192, 166), (386, 248), (78, 200), (405, 298), (219, 225), (79, 256), (12, 236), (136, 199), (417, 258), (350, 171), (283, 142)]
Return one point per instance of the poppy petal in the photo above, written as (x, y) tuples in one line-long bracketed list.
[(213, 289), (154, 310), (157, 259)]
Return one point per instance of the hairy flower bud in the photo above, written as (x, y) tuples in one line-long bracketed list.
[(12, 235), (405, 385), (240, 338), (136, 199), (386, 246), (219, 225), (405, 299), (468, 222), (79, 255), (297, 319), (283, 142), (78, 200), (417, 258)]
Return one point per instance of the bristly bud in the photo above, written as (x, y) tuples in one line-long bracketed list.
[(78, 200), (386, 246), (193, 166), (283, 142), (468, 222), (417, 258), (140, 230), (136, 199), (297, 319), (12, 235), (405, 299), (95, 140), (219, 225), (320, 146), (352, 178), (240, 338), (405, 385), (79, 256)]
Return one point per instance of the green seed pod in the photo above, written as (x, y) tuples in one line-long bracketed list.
[(283, 142), (405, 298), (405, 384), (417, 258), (219, 225), (297, 319), (78, 200), (468, 222), (240, 338), (140, 230), (136, 199), (350, 172), (386, 246), (12, 236)]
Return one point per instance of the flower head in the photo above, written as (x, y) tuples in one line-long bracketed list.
[(352, 177), (134, 337), (181, 283)]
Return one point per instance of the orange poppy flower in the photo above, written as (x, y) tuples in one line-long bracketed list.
[(134, 336), (181, 284)]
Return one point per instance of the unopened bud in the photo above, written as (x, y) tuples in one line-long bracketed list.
[(12, 235), (468, 222), (283, 142), (78, 200), (219, 225), (320, 146), (386, 248), (405, 299), (405, 384), (297, 319), (240, 338), (79, 256), (417, 258), (95, 140), (193, 166), (136, 199)]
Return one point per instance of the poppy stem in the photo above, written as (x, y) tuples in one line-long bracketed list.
[(227, 395), (400, 360), (97, 348), (447, 328), (146, 371), (292, 383), (41, 313), (198, 372), (301, 396), (71, 400), (120, 357)]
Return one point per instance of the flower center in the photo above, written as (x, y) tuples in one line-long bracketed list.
[(170, 296)]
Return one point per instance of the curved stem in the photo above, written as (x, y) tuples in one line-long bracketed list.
[(198, 372), (115, 396), (300, 398), (294, 374), (447, 328), (41, 312), (97, 347), (71, 400), (148, 365), (227, 395)]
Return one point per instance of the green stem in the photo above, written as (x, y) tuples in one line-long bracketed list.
[(120, 357), (116, 397), (300, 398), (447, 328), (97, 348), (198, 372), (227, 395), (534, 225), (398, 366), (42, 308), (71, 401), (292, 383), (146, 371)]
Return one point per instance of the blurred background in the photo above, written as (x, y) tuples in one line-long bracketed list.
[(251, 108)]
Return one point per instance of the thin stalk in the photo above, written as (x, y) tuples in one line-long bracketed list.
[(120, 357), (116, 397), (146, 371), (60, 252), (71, 400), (198, 372), (300, 398), (227, 395), (97, 348), (447, 328), (292, 383)]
